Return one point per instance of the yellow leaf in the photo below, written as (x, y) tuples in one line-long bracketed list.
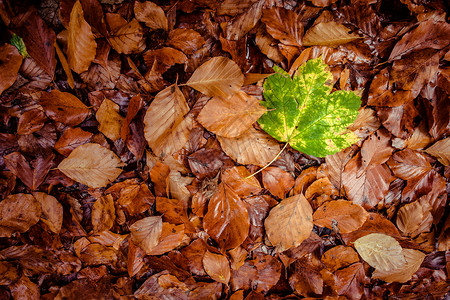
[(329, 34), (109, 119), (289, 223), (81, 45), (219, 76), (92, 165), (230, 117)]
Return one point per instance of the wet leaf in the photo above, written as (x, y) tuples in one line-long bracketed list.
[(92, 165), (146, 232), (277, 181), (171, 237), (81, 42), (329, 34), (18, 212), (345, 215), (63, 107), (217, 267), (219, 76), (289, 223), (10, 65), (239, 179), (31, 121), (72, 138), (349, 281), (232, 116), (284, 25), (227, 219)]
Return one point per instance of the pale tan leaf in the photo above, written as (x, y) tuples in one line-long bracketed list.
[(166, 127), (146, 232), (329, 34), (217, 267), (415, 218), (103, 213), (381, 251), (219, 76), (52, 211), (230, 117), (414, 259), (109, 119), (18, 212), (151, 14), (126, 38), (420, 138), (177, 186), (92, 165), (289, 223), (252, 147), (441, 150), (81, 45), (346, 215)]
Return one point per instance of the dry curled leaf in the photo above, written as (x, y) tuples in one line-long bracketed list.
[(92, 165)]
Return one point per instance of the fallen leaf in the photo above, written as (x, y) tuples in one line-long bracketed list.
[(381, 251), (227, 219), (277, 181), (236, 28), (92, 165), (103, 213), (151, 14), (81, 45), (9, 67), (267, 44), (414, 259), (230, 117), (345, 215), (135, 260), (97, 254), (329, 34), (339, 257), (109, 119), (217, 267), (415, 218), (206, 163), (126, 38), (376, 149), (171, 237), (18, 212), (335, 166), (160, 60), (52, 211), (166, 125), (219, 76), (31, 121), (234, 7), (306, 278), (239, 179), (283, 25), (146, 232), (252, 147), (72, 138), (63, 107), (24, 288), (186, 40), (350, 281), (441, 150), (289, 223), (409, 164)]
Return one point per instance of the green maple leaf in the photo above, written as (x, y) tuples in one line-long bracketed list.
[(17, 41), (304, 113)]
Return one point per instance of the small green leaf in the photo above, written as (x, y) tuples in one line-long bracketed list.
[(20, 45), (303, 112)]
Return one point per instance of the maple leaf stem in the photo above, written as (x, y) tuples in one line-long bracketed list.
[(274, 159)]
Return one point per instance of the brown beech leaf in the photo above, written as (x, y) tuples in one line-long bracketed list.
[(350, 281), (72, 138), (100, 77), (336, 164), (171, 237), (217, 267), (146, 232), (166, 125), (429, 34), (277, 181), (52, 211), (63, 107), (159, 175), (283, 25), (346, 215), (10, 65), (103, 213), (219, 76), (409, 164), (289, 223), (227, 219), (24, 288), (415, 218), (381, 251), (258, 208), (414, 259), (366, 122), (136, 198), (31, 121), (230, 117), (238, 27), (151, 14), (206, 163), (441, 150), (172, 210), (370, 187), (329, 34), (97, 254), (339, 257), (239, 179), (234, 7), (109, 119), (92, 165), (306, 278), (252, 147), (322, 3), (186, 40), (135, 260), (126, 38), (31, 175), (376, 149), (81, 45), (18, 212), (268, 46), (160, 60)]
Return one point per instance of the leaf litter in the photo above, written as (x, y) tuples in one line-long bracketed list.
[(129, 132)]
